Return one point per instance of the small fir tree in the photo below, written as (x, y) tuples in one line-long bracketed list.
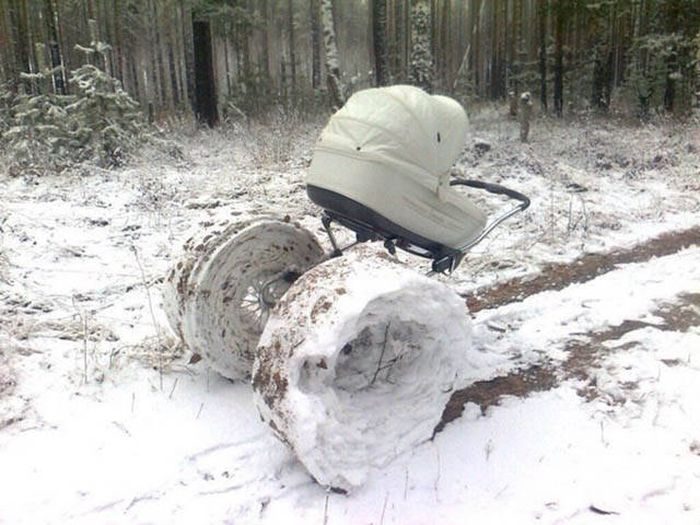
[(44, 132), (37, 139), (105, 120)]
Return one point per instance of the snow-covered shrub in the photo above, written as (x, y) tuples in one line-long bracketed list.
[(107, 123), (6, 98), (45, 132), (274, 139), (661, 73), (37, 138)]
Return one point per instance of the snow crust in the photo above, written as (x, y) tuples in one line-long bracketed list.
[(357, 362)]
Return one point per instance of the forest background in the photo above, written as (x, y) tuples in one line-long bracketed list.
[(231, 59)]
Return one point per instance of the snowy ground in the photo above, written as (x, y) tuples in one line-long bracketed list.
[(104, 419)]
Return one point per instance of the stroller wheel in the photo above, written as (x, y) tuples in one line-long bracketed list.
[(219, 295)]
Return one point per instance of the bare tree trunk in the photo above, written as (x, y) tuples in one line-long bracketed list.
[(206, 107), (292, 50), (166, 90), (119, 54), (542, 30), (265, 27), (21, 39), (335, 84), (447, 72), (59, 82), (188, 43), (315, 11), (476, 36), (7, 69), (559, 60), (379, 42), (398, 40)]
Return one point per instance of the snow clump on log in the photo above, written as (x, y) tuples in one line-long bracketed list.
[(213, 295), (357, 362)]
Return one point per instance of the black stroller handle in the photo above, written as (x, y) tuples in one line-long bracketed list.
[(495, 189)]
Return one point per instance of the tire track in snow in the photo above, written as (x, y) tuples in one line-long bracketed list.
[(584, 351), (587, 267)]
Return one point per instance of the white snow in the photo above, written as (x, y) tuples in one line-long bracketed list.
[(108, 422), (357, 362)]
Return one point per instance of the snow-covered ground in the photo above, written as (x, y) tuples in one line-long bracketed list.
[(105, 419)]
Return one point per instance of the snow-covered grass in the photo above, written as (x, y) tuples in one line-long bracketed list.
[(106, 420)]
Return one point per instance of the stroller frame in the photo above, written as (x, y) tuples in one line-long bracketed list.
[(370, 226)]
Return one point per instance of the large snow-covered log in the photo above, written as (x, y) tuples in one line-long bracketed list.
[(218, 295), (356, 363)]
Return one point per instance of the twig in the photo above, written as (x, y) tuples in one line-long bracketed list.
[(84, 325), (153, 315), (488, 449), (85, 345), (325, 508), (381, 356), (386, 499), (437, 478), (405, 486), (602, 433), (172, 390)]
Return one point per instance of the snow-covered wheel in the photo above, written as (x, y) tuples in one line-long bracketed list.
[(218, 296), (357, 362)]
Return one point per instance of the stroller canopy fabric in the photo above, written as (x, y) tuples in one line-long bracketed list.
[(390, 150), (402, 126)]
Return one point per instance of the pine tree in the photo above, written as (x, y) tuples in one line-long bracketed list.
[(48, 132), (105, 120), (36, 139)]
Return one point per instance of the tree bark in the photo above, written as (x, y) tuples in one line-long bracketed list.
[(542, 33), (335, 84), (559, 60), (379, 42), (205, 98), (59, 83), (292, 50), (315, 11), (21, 40)]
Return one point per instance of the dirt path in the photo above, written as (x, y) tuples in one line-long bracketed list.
[(587, 351), (587, 267)]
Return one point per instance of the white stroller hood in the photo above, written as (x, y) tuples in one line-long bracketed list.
[(391, 149)]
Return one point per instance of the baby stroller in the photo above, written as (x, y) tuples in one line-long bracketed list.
[(381, 167), (355, 353)]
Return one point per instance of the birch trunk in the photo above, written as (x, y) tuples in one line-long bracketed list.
[(335, 84)]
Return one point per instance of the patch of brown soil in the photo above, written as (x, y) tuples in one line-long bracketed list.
[(583, 357), (585, 268), (520, 383)]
